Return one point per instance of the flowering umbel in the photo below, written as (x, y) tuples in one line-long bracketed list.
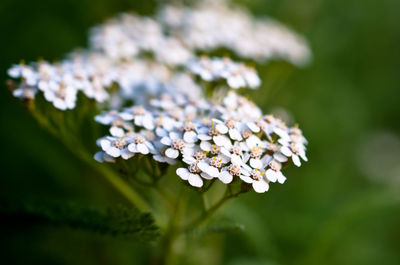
[(187, 109)]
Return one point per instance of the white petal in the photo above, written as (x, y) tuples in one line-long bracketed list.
[(253, 141), (116, 131), (282, 133), (183, 173), (225, 177), (260, 186), (271, 175), (256, 163), (195, 180), (132, 148), (99, 157), (303, 156), (113, 151), (204, 137), (172, 153), (142, 148), (174, 135), (222, 140), (166, 141), (105, 144), (235, 134), (126, 154), (286, 151), (205, 146), (246, 179), (236, 160), (253, 127), (280, 157), (126, 116), (281, 177), (296, 160), (148, 123), (205, 175), (190, 137), (221, 128), (160, 132)]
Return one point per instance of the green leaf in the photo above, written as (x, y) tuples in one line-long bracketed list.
[(119, 221)]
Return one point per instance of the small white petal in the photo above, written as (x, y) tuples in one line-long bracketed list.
[(105, 144), (225, 177), (206, 176), (253, 141), (260, 186), (126, 154), (116, 131), (142, 148), (235, 134), (183, 173), (246, 179), (286, 151), (281, 177), (253, 127), (113, 151), (282, 133), (296, 160), (190, 137), (222, 140), (280, 157), (148, 123), (204, 137), (172, 153), (205, 146), (166, 141), (126, 116), (256, 163), (195, 180), (160, 132), (271, 175), (221, 128), (99, 157)]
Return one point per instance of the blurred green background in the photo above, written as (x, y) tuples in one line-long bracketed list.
[(342, 207)]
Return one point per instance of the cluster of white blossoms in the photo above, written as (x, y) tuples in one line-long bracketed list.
[(237, 75), (132, 51), (154, 63), (214, 24), (225, 140)]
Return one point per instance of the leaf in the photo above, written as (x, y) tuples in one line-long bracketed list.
[(119, 221)]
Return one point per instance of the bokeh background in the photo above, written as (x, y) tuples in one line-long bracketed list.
[(343, 207)]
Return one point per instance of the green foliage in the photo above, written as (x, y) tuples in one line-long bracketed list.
[(119, 221)]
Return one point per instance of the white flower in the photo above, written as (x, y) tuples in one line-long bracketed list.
[(257, 179), (274, 174), (25, 92), (295, 151), (142, 117), (24, 72), (177, 145), (115, 147), (61, 94), (141, 145)]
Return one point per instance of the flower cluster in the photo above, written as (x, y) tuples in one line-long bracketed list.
[(154, 63), (226, 140), (131, 50), (237, 75), (213, 24)]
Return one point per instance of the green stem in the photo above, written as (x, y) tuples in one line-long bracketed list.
[(166, 255), (207, 214), (113, 178)]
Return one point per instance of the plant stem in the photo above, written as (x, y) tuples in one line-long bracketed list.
[(113, 178), (207, 214)]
